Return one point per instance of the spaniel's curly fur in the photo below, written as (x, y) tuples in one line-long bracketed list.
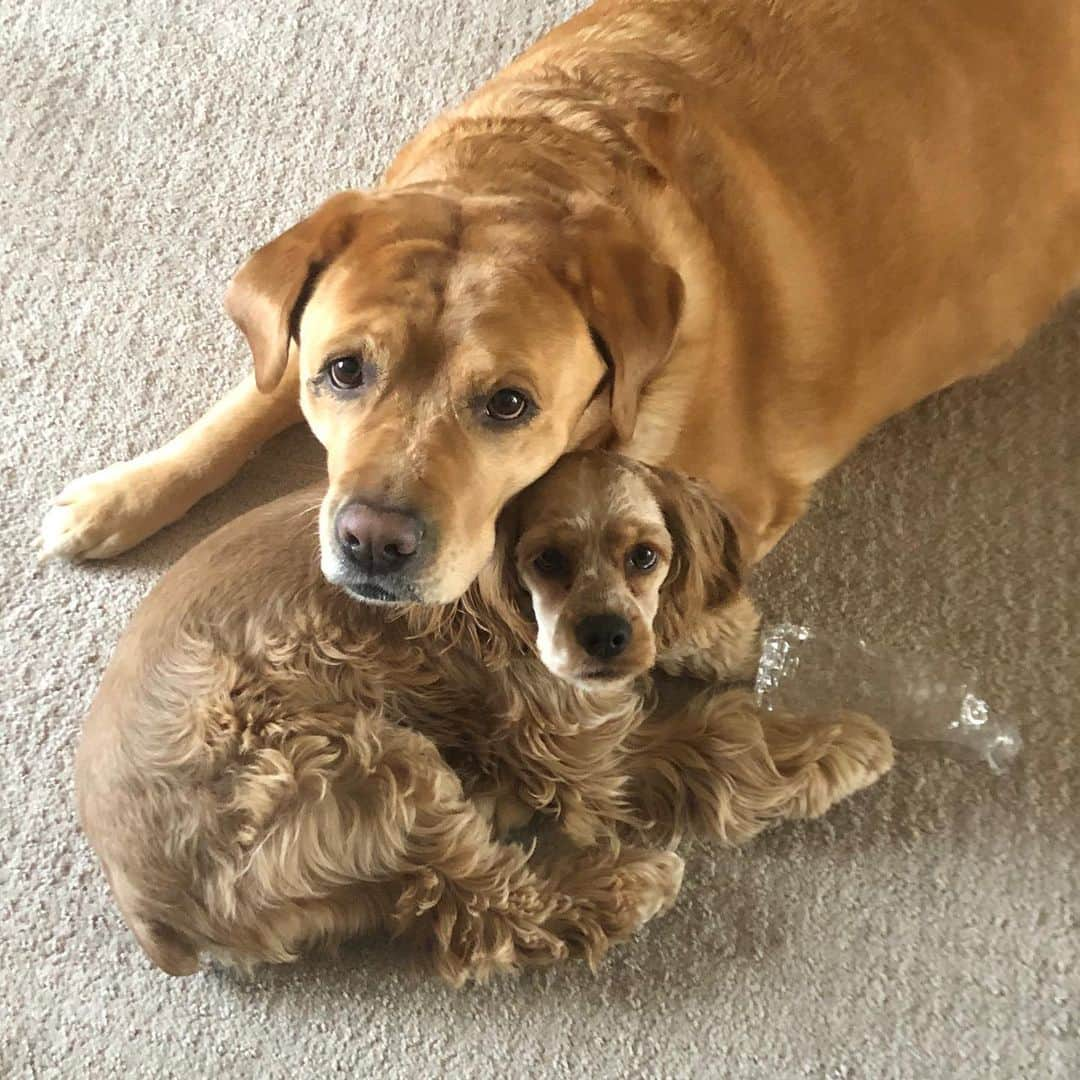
[(270, 766)]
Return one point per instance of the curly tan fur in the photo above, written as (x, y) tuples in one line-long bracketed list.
[(270, 766)]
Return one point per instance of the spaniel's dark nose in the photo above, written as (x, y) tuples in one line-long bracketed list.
[(603, 636), (377, 541)]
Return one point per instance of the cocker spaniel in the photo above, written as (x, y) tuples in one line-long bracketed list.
[(270, 766)]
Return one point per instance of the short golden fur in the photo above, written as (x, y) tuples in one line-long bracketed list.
[(776, 224), (270, 766)]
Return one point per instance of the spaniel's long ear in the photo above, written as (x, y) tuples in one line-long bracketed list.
[(497, 600), (266, 296), (631, 302), (706, 567)]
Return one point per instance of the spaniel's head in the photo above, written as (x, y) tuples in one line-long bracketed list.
[(621, 561)]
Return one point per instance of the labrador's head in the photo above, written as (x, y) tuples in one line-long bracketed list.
[(450, 350)]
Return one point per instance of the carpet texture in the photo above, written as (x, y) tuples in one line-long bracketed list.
[(926, 929)]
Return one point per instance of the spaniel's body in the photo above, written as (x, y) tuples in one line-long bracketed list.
[(270, 765), (781, 223)]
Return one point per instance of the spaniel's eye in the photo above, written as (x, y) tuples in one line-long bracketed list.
[(346, 372), (507, 405), (551, 563), (642, 557)]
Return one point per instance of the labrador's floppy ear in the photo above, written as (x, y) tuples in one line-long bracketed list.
[(707, 568), (266, 294), (631, 302)]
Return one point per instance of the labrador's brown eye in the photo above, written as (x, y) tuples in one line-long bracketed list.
[(551, 563), (507, 404), (642, 557), (346, 372)]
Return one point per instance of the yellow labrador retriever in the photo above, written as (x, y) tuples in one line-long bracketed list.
[(731, 236)]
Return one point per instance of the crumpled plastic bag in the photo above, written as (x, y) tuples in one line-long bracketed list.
[(911, 696)]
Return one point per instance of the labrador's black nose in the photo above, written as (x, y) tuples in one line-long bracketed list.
[(377, 541), (603, 636)]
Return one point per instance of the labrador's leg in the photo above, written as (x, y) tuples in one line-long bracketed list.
[(722, 767), (107, 512)]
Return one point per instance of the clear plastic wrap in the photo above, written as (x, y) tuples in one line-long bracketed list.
[(912, 697)]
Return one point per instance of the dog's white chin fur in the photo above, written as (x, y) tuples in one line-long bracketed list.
[(597, 685)]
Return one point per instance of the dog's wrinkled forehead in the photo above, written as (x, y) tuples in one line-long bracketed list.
[(431, 256), (435, 315)]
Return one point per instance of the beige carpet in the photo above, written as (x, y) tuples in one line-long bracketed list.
[(927, 929)]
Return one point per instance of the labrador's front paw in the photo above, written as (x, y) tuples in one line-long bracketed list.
[(107, 512)]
